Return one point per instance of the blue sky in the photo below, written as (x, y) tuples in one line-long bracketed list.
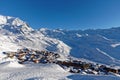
[(65, 14)]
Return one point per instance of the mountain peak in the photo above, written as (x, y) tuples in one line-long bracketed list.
[(13, 24), (5, 20)]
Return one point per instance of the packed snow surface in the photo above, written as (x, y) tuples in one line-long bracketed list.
[(45, 72), (33, 71)]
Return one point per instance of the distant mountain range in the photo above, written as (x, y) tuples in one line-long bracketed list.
[(100, 45)]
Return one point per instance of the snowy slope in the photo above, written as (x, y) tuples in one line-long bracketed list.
[(30, 72), (6, 44), (45, 72), (17, 34), (85, 44), (95, 45), (88, 44), (80, 44), (92, 77)]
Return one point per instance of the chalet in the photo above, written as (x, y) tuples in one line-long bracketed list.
[(11, 54)]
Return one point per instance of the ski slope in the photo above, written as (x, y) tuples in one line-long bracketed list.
[(31, 72)]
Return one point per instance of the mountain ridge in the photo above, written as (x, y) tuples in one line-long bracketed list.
[(20, 33), (87, 42), (100, 45)]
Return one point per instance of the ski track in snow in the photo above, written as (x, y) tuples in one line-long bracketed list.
[(105, 53), (115, 45)]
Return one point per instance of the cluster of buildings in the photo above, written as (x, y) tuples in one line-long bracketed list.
[(74, 66), (29, 55)]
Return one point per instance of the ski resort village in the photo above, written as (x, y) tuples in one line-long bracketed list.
[(46, 54)]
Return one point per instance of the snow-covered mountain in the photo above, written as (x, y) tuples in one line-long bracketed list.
[(101, 45), (16, 34), (88, 47)]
